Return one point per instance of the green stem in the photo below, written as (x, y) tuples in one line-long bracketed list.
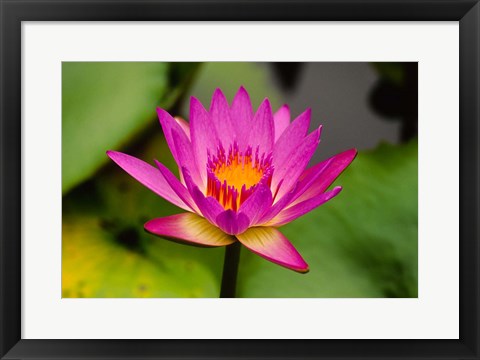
[(230, 270)]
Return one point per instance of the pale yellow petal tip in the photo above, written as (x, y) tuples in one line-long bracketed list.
[(303, 271)]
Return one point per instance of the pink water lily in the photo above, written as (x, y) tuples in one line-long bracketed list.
[(242, 175)]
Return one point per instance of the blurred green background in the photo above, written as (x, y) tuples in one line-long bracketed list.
[(363, 243)]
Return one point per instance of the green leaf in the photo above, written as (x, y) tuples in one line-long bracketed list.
[(121, 264), (363, 243), (105, 104), (106, 252)]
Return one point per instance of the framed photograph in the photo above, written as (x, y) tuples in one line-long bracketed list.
[(239, 179)]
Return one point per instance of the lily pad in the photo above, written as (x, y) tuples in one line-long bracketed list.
[(363, 243), (118, 265), (106, 252), (106, 104)]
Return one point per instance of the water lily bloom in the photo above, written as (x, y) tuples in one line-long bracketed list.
[(242, 174)]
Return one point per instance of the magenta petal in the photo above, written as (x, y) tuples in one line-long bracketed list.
[(185, 156), (257, 204), (281, 120), (241, 115), (220, 114), (209, 207), (291, 169), (291, 139), (261, 133), (289, 214), (318, 178), (177, 186), (189, 228), (149, 176), (232, 223), (277, 207), (169, 124), (272, 245), (203, 134)]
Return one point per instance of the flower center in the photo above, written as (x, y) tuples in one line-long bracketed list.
[(233, 176)]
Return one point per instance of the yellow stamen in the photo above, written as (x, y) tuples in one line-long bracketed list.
[(238, 173), (233, 176)]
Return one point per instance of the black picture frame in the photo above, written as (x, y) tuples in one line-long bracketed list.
[(13, 12)]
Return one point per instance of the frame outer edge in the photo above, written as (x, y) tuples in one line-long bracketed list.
[(10, 179), (470, 179), (10, 188)]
